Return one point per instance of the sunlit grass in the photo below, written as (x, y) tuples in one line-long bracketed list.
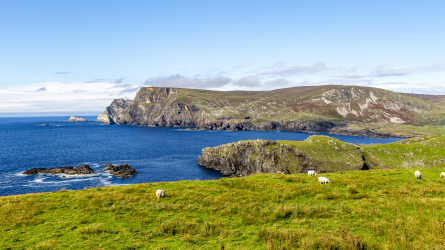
[(359, 209)]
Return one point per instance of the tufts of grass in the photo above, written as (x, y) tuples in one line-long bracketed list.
[(375, 209)]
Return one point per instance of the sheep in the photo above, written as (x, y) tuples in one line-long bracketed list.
[(311, 173), (442, 175), (323, 180), (160, 193), (418, 175)]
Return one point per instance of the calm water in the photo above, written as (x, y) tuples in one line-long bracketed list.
[(158, 154)]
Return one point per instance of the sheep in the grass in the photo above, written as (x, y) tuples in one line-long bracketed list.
[(418, 175), (323, 180), (442, 175), (160, 193), (311, 173)]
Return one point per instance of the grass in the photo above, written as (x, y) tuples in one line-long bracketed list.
[(377, 209)]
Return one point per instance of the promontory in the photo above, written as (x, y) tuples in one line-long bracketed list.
[(347, 110)]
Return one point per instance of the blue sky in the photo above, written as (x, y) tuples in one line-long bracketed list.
[(70, 56)]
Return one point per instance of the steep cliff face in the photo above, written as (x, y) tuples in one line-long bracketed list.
[(319, 109), (117, 112), (153, 107), (319, 153)]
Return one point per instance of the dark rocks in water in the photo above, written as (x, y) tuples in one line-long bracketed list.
[(122, 171), (70, 170)]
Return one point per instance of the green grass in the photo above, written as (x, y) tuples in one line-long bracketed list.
[(418, 152), (375, 209)]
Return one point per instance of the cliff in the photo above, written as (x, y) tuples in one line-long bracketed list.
[(319, 153), (322, 154), (319, 109)]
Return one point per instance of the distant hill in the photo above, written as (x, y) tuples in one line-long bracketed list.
[(326, 109)]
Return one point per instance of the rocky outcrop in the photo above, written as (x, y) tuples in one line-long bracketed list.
[(319, 153), (76, 119), (70, 170), (122, 171), (115, 113)]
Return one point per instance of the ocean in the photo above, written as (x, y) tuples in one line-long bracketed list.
[(157, 153)]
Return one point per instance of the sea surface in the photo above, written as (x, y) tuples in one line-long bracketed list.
[(157, 153)]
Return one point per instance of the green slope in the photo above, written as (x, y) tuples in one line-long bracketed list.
[(375, 209)]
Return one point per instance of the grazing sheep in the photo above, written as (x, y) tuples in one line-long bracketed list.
[(323, 180), (442, 175), (311, 173), (418, 175), (160, 193)]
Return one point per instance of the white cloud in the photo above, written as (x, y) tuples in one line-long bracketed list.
[(63, 97), (288, 70), (388, 70)]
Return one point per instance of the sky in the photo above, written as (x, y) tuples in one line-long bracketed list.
[(75, 57)]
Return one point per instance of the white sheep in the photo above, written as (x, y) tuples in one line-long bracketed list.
[(442, 175), (160, 193), (311, 173), (418, 175), (323, 180)]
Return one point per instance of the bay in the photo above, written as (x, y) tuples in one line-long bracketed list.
[(157, 153)]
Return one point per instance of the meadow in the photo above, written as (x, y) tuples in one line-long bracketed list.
[(373, 209)]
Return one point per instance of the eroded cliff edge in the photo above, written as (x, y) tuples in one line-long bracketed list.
[(320, 109)]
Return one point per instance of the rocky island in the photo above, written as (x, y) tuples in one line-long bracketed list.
[(346, 110), (122, 171), (76, 119), (70, 170)]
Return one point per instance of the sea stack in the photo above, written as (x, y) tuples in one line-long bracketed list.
[(76, 119)]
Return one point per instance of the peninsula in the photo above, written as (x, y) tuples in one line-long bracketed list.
[(345, 110)]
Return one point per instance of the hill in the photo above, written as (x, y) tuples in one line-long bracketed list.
[(374, 209), (322, 154), (350, 110)]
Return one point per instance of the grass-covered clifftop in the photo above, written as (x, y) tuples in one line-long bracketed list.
[(375, 209), (322, 154)]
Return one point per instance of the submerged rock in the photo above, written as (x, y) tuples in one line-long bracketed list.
[(70, 170), (122, 171), (76, 119)]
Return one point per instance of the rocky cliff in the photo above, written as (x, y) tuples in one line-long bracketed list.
[(319, 153), (320, 109)]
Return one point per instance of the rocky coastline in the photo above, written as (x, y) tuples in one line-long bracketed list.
[(202, 110)]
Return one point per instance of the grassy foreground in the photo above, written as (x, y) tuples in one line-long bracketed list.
[(375, 209)]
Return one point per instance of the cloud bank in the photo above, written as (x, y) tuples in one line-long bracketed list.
[(64, 97)]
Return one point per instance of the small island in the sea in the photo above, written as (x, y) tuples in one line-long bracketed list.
[(122, 171), (76, 119)]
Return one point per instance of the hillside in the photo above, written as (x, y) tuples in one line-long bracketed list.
[(323, 109), (322, 154), (375, 209)]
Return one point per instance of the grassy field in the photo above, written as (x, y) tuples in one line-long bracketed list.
[(375, 209)]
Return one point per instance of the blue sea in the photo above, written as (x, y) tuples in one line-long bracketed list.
[(157, 153)]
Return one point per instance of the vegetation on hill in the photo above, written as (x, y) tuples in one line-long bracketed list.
[(378, 209), (322, 154), (350, 110)]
